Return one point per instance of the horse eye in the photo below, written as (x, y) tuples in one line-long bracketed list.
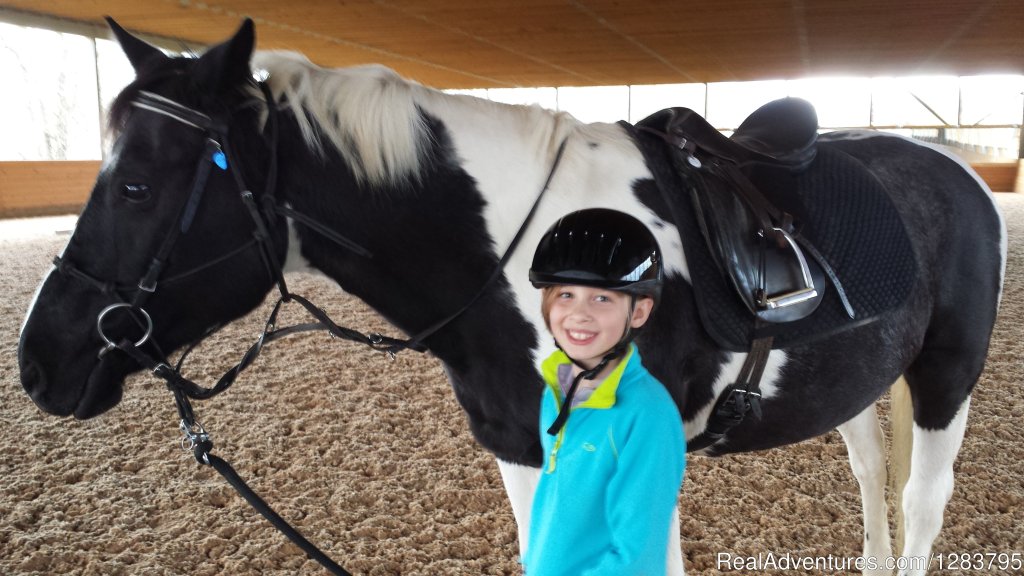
[(136, 193)]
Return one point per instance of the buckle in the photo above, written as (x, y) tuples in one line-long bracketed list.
[(164, 371), (148, 282)]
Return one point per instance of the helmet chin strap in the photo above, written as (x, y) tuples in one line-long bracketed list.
[(617, 351)]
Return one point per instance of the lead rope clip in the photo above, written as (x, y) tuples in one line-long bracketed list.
[(195, 439), (376, 341)]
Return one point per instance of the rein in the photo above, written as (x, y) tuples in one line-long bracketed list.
[(218, 154)]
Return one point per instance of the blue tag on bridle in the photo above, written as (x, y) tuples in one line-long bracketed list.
[(220, 159)]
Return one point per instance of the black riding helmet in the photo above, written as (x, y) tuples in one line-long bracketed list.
[(600, 248)]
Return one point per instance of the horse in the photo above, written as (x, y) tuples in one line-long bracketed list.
[(417, 202)]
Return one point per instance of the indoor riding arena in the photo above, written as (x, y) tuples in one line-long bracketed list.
[(370, 456)]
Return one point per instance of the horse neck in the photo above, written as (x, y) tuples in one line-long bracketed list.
[(428, 235), (508, 150)]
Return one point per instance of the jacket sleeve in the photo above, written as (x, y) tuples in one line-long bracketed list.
[(643, 492)]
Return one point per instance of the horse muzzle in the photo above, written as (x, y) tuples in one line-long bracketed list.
[(63, 383)]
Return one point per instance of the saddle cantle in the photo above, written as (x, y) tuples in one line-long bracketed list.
[(785, 131)]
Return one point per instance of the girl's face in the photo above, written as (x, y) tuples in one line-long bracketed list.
[(588, 322)]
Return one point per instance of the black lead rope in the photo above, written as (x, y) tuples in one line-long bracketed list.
[(198, 440), (263, 508)]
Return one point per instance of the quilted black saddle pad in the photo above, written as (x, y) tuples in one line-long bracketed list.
[(841, 208)]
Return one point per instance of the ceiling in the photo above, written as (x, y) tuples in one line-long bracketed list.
[(506, 43)]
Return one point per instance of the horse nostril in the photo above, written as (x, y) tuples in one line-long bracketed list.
[(31, 376), (34, 381)]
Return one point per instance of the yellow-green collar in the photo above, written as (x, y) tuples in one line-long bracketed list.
[(603, 396)]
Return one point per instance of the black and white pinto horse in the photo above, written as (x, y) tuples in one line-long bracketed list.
[(435, 186)]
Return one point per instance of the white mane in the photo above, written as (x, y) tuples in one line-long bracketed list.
[(368, 113)]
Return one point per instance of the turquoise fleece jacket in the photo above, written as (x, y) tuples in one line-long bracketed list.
[(611, 477)]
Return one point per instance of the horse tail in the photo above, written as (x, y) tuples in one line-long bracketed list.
[(901, 421)]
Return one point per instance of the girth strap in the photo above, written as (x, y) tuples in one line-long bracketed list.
[(738, 399)]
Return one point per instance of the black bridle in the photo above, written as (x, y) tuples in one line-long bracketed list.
[(218, 154)]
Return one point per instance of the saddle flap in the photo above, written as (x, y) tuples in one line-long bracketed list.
[(760, 260)]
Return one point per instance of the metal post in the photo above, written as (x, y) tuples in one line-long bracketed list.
[(1020, 134), (100, 116)]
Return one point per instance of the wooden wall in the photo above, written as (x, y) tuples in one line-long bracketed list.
[(1000, 177), (45, 188)]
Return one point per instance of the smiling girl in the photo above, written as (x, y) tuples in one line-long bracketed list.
[(612, 473)]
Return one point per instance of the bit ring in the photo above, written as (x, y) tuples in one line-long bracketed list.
[(110, 344)]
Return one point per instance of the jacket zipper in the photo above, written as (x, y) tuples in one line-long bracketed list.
[(553, 459)]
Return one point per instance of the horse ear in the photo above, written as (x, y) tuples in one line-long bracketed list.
[(227, 64), (137, 51)]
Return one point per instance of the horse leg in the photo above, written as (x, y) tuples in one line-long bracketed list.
[(866, 447), (674, 564), (901, 422), (520, 484), (940, 380), (929, 488)]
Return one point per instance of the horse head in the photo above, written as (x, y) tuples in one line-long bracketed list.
[(165, 231)]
